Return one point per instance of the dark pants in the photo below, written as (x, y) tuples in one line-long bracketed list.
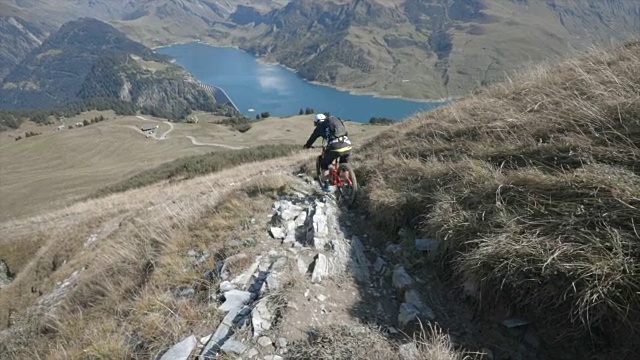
[(329, 156)]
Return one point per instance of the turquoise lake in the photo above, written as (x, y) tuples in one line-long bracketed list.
[(262, 87)]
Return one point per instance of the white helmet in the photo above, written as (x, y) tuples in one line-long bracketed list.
[(320, 118)]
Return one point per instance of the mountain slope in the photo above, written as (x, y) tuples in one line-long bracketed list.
[(18, 37), (529, 189), (443, 48), (88, 59)]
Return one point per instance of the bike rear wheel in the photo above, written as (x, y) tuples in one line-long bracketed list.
[(349, 189)]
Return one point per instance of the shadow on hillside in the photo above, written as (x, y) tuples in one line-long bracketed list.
[(380, 301)]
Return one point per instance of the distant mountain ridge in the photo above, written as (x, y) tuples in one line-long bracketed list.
[(18, 38), (425, 48), (88, 59)]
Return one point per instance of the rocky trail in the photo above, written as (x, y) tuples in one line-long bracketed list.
[(315, 269)]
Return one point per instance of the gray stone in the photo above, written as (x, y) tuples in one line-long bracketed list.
[(181, 350), (226, 286), (393, 248), (290, 238), (407, 314), (279, 264), (379, 265), (272, 282), (273, 357), (282, 342), (359, 263), (401, 279), (321, 298), (515, 322), (5, 274), (192, 253), (413, 297), (264, 341), (187, 292), (409, 351), (302, 266), (318, 228), (261, 317), (251, 353), (233, 347), (277, 232), (245, 278), (235, 299), (427, 245), (205, 339), (222, 332), (300, 220), (291, 226), (290, 214), (203, 258), (320, 269)]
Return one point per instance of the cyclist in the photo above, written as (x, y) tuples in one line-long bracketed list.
[(333, 131)]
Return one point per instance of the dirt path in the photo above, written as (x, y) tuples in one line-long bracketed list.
[(194, 141), (198, 143), (341, 279)]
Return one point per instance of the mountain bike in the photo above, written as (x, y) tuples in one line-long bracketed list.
[(342, 176)]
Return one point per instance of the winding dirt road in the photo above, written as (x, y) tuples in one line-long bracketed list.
[(194, 141)]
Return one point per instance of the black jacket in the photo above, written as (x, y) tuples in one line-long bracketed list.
[(323, 130)]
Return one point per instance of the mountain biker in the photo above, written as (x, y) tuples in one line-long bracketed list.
[(333, 131)]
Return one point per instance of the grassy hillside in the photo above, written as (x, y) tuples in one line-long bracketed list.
[(58, 167), (532, 188)]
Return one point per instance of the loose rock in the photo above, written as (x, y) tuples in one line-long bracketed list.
[(427, 245), (273, 357), (401, 279), (234, 347), (235, 299), (181, 350), (264, 341), (261, 317), (277, 232), (282, 342), (5, 274), (320, 269), (408, 313), (413, 297)]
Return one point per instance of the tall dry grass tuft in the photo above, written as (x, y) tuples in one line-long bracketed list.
[(533, 187), (362, 343)]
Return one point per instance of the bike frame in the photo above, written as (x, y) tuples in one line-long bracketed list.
[(335, 178)]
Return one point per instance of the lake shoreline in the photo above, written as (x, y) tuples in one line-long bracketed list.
[(263, 61)]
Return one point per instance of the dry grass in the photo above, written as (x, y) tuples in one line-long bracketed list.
[(533, 186), (123, 302), (364, 343), (58, 168)]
